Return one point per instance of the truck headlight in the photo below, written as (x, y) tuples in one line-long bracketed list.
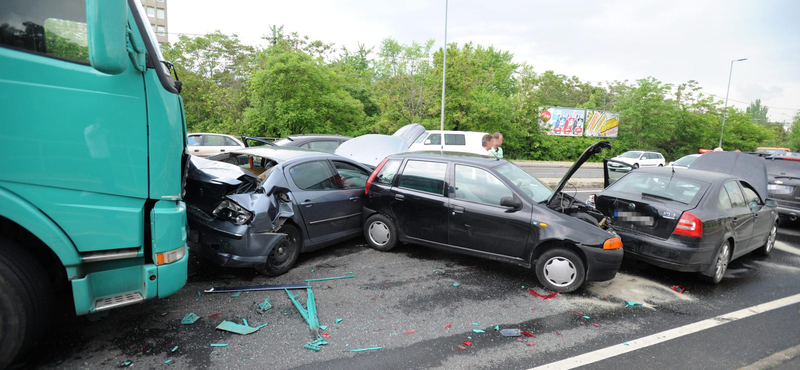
[(170, 256), (230, 211)]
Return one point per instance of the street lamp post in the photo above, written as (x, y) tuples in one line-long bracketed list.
[(725, 111), (444, 71)]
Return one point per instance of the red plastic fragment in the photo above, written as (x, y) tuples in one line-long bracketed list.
[(468, 344), (213, 315), (520, 339), (326, 335), (529, 344), (527, 334), (559, 334), (448, 326), (596, 325), (542, 296), (533, 309), (412, 331), (678, 288), (583, 323), (460, 348)]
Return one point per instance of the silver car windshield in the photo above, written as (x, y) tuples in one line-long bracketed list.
[(526, 182)]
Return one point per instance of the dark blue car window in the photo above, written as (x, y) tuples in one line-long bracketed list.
[(424, 176), (316, 175), (737, 199)]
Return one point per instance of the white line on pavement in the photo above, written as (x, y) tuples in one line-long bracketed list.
[(786, 248), (636, 344)]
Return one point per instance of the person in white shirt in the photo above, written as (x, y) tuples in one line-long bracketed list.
[(487, 142)]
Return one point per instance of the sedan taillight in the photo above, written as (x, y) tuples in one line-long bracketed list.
[(689, 225), (374, 175)]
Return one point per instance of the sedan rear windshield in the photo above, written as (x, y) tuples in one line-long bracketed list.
[(783, 167), (664, 187), (525, 182)]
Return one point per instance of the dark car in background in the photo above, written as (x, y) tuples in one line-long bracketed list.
[(784, 184), (261, 207), (322, 143), (488, 208), (693, 220)]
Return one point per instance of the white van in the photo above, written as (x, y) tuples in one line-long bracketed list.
[(454, 141)]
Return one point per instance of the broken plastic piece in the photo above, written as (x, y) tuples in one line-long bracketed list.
[(626, 343), (529, 344), (168, 361), (460, 348), (238, 329), (219, 344), (510, 332), (528, 334), (631, 304), (497, 327), (468, 344), (213, 315), (476, 324), (582, 323), (330, 278), (174, 349), (412, 331), (254, 288), (315, 345), (542, 296), (326, 335), (678, 288), (312, 270), (456, 285), (365, 349), (448, 326), (309, 312), (586, 317), (596, 325), (126, 364), (478, 331), (199, 293), (520, 340), (190, 318), (236, 294), (559, 334), (337, 321), (264, 306), (323, 327)]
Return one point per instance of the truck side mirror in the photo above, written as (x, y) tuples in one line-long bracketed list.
[(107, 28)]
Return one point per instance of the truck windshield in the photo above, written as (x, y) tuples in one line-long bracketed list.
[(151, 36)]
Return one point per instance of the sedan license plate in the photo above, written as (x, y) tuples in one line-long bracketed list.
[(780, 189), (633, 217)]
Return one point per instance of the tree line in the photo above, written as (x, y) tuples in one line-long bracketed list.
[(296, 85)]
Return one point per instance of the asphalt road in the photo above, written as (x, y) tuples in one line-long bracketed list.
[(404, 300)]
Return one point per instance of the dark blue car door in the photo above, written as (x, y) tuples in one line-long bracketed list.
[(324, 205)]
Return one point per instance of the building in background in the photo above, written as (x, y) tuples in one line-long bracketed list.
[(157, 14)]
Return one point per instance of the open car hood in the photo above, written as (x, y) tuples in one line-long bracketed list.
[(410, 132), (372, 149), (206, 170), (751, 168), (590, 151)]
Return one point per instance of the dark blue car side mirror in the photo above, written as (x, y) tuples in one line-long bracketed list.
[(511, 202)]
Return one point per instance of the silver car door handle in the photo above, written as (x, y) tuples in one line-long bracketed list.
[(399, 196), (354, 199), (222, 150), (196, 150), (307, 203)]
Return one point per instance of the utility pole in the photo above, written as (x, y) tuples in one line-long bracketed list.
[(725, 111), (444, 70)]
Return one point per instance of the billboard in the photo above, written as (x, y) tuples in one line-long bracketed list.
[(562, 121), (602, 123)]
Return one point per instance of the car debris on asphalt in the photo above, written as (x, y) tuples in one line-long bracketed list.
[(190, 318), (264, 306), (542, 296), (238, 328), (330, 278), (255, 288)]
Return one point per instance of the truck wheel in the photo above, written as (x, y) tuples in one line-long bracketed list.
[(380, 232), (767, 247), (560, 269), (284, 255), (26, 298)]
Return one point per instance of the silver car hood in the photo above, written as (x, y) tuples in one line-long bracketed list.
[(372, 149)]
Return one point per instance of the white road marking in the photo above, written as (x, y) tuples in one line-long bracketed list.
[(636, 344), (786, 248)]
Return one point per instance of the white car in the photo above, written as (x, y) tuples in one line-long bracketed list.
[(685, 161), (206, 144), (454, 141), (639, 158)]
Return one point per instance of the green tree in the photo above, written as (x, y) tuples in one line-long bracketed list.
[(758, 111), (793, 141)]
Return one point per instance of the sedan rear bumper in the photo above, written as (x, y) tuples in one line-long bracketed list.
[(786, 211), (671, 253), (230, 245)]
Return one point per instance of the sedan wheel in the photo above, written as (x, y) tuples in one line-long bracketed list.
[(716, 271), (559, 271), (380, 232), (284, 255), (767, 247)]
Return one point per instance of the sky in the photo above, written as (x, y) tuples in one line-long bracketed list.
[(597, 41)]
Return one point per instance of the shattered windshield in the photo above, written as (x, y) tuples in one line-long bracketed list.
[(526, 182)]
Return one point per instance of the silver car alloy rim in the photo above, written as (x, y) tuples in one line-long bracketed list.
[(722, 261), (560, 271), (771, 240), (379, 233)]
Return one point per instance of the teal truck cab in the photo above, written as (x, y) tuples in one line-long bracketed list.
[(92, 162)]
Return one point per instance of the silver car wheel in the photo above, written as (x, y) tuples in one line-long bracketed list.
[(379, 233), (772, 235), (722, 261), (560, 271)]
